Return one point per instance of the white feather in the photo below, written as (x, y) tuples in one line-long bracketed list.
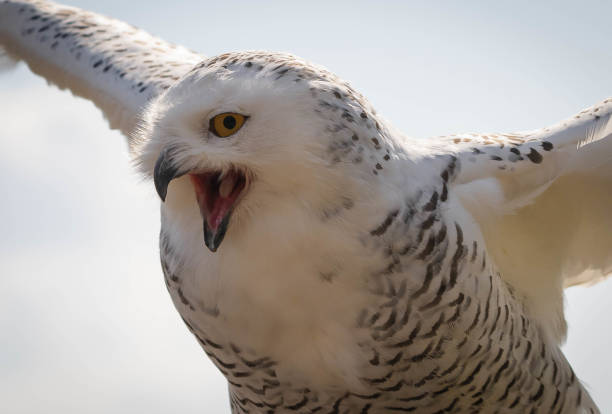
[(113, 64), (548, 224)]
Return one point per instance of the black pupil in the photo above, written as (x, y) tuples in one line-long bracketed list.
[(229, 122)]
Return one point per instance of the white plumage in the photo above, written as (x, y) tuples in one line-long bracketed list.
[(507, 184)]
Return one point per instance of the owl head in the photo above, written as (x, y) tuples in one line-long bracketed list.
[(243, 131)]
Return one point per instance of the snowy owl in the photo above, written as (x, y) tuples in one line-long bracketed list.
[(324, 261)]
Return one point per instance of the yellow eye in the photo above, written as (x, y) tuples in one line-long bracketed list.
[(226, 124)]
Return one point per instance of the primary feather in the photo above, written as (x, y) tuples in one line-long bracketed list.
[(116, 66)]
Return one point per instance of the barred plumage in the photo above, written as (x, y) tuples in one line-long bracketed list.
[(362, 271)]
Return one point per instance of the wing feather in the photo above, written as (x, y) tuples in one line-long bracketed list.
[(117, 66), (543, 200)]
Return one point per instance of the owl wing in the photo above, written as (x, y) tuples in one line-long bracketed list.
[(116, 66), (543, 200)]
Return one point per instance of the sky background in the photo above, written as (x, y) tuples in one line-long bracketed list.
[(86, 324)]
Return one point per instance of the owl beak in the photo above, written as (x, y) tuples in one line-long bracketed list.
[(164, 172), (216, 192)]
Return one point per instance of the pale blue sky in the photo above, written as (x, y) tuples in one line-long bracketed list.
[(85, 322)]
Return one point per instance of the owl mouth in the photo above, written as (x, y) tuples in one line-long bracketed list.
[(217, 193)]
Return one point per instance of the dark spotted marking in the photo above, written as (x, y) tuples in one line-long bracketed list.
[(463, 342), (488, 304), (299, 404), (365, 409), (528, 350), (501, 369), (538, 394), (496, 318), (411, 337), (451, 406), (395, 359), (515, 402), (432, 203), (367, 397), (380, 230), (534, 156), (558, 394), (428, 277), (347, 116), (378, 380), (547, 146), (426, 378), (374, 318), (555, 372), (474, 322), (434, 328), (422, 355), (471, 377), (428, 222), (497, 357), (515, 156), (441, 234), (475, 352), (452, 165), (475, 251), (336, 406), (524, 326), (483, 388), (444, 176), (444, 195), (496, 158), (454, 272), (508, 387), (184, 300), (429, 247), (390, 321)]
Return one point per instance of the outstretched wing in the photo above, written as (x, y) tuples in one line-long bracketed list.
[(544, 202), (115, 65)]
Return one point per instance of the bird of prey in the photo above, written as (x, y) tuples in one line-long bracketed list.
[(326, 262)]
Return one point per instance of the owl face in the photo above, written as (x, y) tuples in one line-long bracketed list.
[(239, 132)]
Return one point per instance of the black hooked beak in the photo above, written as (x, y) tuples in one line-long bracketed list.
[(165, 171)]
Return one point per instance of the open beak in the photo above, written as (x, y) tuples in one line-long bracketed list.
[(216, 192)]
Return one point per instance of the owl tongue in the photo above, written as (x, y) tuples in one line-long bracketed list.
[(216, 195)]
